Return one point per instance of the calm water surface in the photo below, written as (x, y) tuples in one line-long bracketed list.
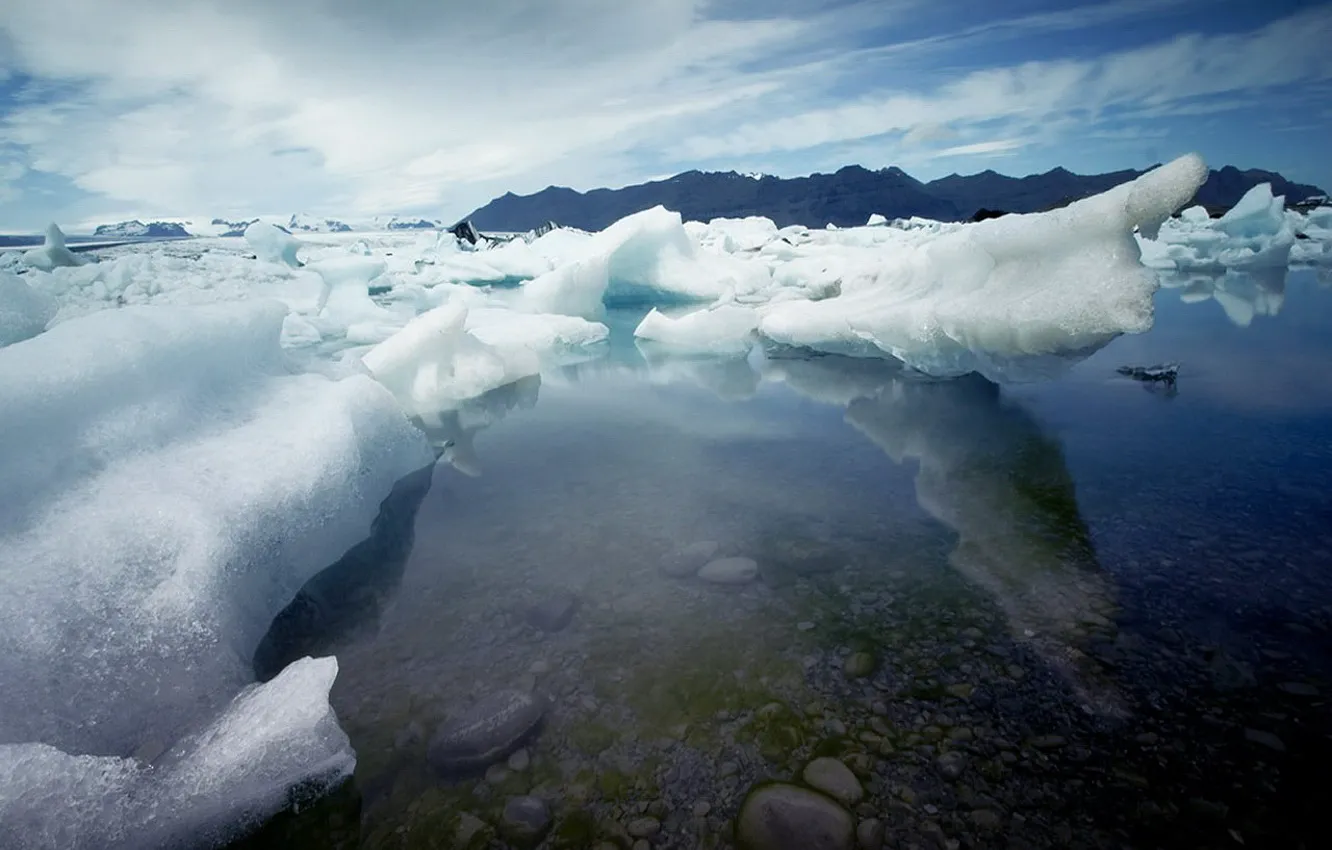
[(1090, 612)]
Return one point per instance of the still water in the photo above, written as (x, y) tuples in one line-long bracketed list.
[(1090, 612)]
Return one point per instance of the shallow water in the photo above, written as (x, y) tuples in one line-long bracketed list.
[(1095, 612)]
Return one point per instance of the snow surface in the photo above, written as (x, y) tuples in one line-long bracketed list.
[(200, 429)]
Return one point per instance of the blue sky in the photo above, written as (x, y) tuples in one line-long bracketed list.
[(146, 108)]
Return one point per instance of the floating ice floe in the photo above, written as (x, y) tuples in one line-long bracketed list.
[(1257, 234), (272, 244), (179, 486)]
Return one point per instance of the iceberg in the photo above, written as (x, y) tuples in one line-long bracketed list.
[(272, 244), (435, 364), (725, 330), (24, 311), (53, 254), (985, 296), (1256, 233), (180, 485)]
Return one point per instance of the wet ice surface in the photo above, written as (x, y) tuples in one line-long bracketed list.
[(1087, 613)]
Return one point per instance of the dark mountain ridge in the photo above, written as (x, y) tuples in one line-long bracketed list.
[(847, 197)]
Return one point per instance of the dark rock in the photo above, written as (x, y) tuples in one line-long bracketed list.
[(982, 214), (553, 614), (1163, 373), (466, 232), (485, 733), (526, 820), (787, 817)]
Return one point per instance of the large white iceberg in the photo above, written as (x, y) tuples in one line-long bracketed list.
[(178, 486), (726, 329), (982, 297)]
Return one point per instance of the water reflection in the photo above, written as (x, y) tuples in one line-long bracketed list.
[(989, 472), (452, 432), (1243, 295), (352, 594)]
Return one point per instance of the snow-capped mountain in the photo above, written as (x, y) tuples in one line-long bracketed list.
[(138, 230), (394, 222), (310, 224)]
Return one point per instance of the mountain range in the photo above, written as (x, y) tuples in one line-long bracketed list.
[(847, 197), (138, 230)]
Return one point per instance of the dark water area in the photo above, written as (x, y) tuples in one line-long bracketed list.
[(1090, 612)]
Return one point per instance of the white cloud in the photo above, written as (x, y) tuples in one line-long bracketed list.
[(1162, 76), (990, 148), (347, 107)]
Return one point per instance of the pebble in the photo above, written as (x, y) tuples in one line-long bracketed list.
[(539, 668), (1298, 689), (553, 614), (986, 819), (805, 626), (869, 834), (496, 774), (644, 827), (642, 844), (952, 765), (730, 571), (701, 808), (487, 731), (468, 826), (519, 761), (834, 779), (1266, 739), (525, 819), (787, 817), (1048, 742), (962, 691), (859, 665)]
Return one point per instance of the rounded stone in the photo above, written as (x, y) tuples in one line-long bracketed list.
[(643, 827), (869, 834), (730, 571), (519, 761), (525, 820), (859, 665), (486, 732), (687, 561), (787, 817), (834, 779)]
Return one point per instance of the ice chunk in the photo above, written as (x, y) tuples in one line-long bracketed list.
[(179, 486), (24, 312), (53, 254), (1255, 234), (271, 738), (726, 329), (434, 364), (990, 295), (575, 289), (272, 244), (545, 334), (876, 220), (297, 331), (346, 295)]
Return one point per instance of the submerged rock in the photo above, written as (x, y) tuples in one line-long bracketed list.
[(486, 732), (787, 817), (686, 562), (1165, 373), (526, 820), (730, 571), (553, 614), (834, 779), (859, 665)]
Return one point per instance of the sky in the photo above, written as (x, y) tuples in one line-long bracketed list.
[(119, 109)]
